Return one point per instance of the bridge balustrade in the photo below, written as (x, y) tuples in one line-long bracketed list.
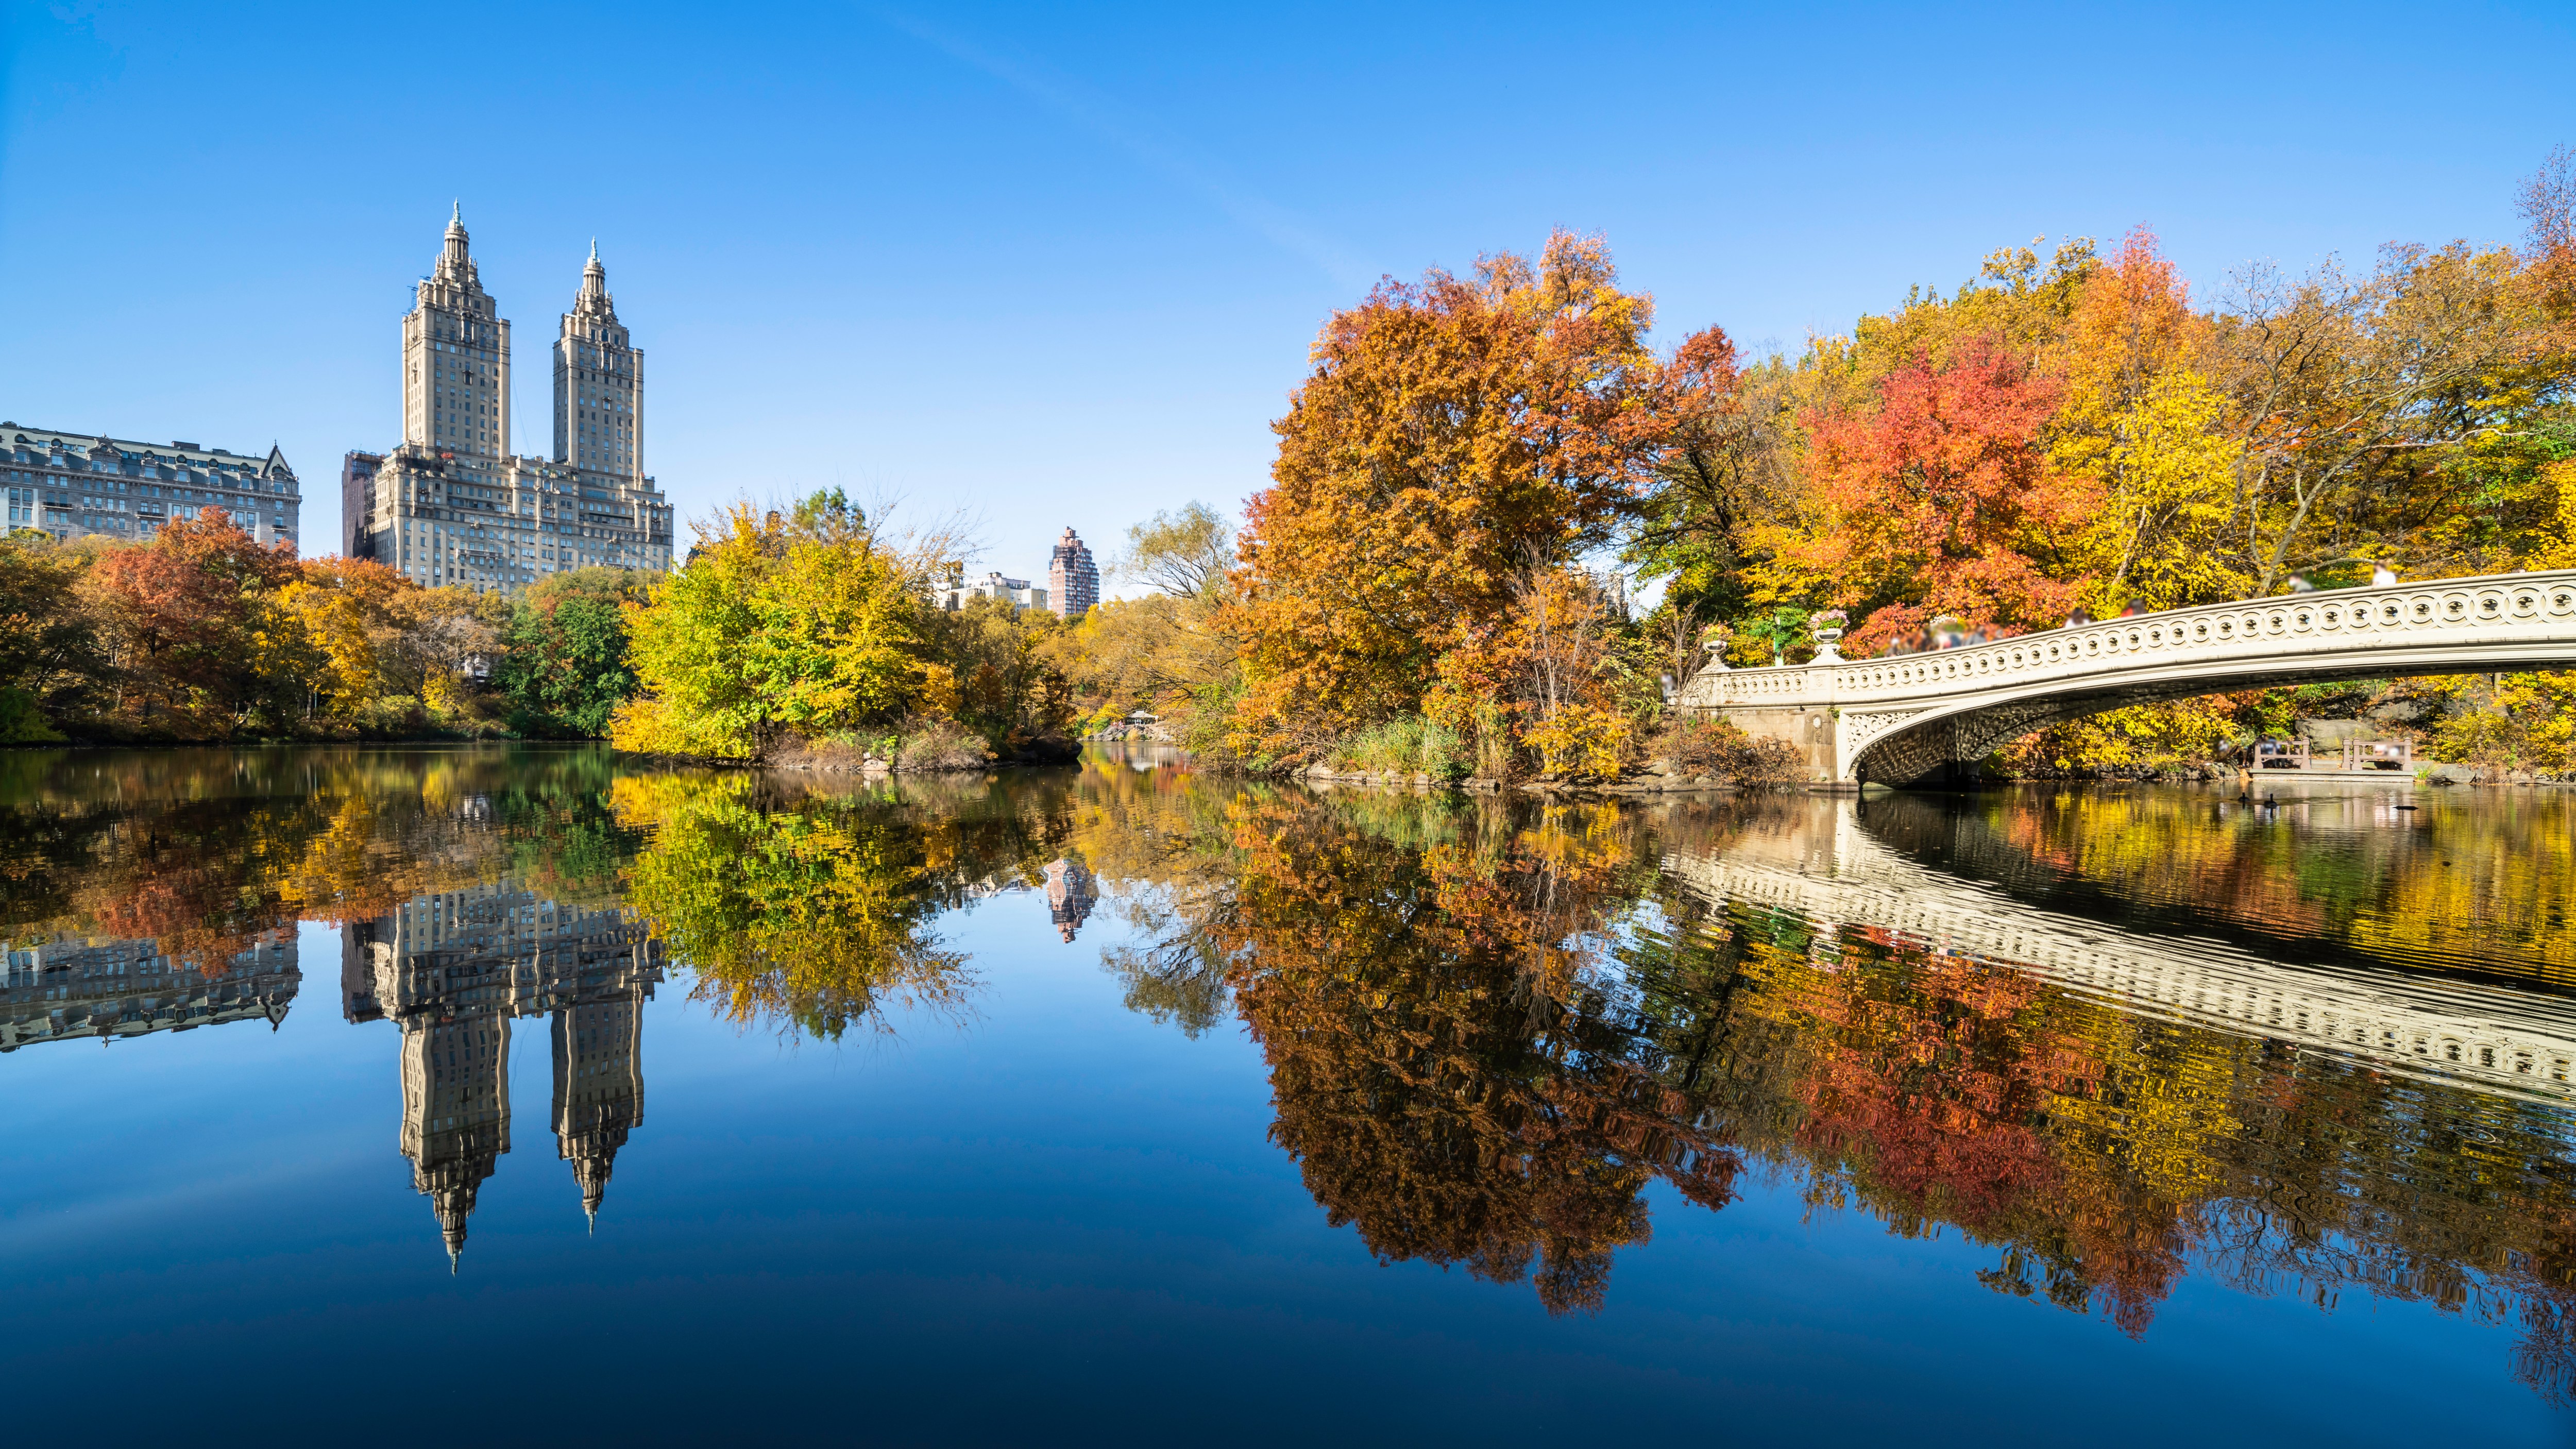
[(1908, 714)]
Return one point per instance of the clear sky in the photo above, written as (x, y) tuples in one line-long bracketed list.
[(1060, 265)]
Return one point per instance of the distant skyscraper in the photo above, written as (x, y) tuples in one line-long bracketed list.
[(1072, 577), (452, 504), (357, 499)]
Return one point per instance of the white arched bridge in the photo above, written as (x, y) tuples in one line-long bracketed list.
[(1900, 719)]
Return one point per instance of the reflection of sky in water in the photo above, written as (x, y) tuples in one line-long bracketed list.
[(1040, 1214)]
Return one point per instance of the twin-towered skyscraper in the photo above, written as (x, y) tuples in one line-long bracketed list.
[(452, 505)]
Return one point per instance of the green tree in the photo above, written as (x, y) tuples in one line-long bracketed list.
[(50, 660), (564, 668)]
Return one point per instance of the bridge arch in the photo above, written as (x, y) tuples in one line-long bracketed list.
[(1896, 720)]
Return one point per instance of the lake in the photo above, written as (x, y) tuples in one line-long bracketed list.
[(504, 1095)]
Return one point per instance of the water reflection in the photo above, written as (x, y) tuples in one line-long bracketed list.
[(2118, 1039), (66, 987), (453, 970), (1489, 1028)]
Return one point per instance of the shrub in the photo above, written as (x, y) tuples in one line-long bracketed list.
[(940, 744), (1405, 745), (1581, 739), (1709, 745)]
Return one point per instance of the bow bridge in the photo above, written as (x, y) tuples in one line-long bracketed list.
[(1900, 719)]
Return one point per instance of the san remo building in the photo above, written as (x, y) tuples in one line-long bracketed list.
[(453, 506)]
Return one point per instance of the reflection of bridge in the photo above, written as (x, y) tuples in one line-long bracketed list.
[(1834, 875), (1898, 719)]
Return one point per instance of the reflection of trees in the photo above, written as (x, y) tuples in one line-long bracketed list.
[(1489, 1026), (2470, 880), (814, 909), (1442, 1066), (203, 852), (2104, 1154)]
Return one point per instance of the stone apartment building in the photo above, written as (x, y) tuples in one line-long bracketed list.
[(73, 485), (452, 504)]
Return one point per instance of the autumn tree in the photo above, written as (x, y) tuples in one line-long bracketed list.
[(1158, 651), (428, 640), (1185, 554), (196, 626), (804, 623), (1450, 433), (997, 675), (1727, 465), (2377, 415), (51, 663), (1936, 497), (2144, 424)]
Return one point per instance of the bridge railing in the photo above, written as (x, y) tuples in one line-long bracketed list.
[(2542, 605)]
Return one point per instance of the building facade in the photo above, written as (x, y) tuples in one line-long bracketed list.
[(357, 498), (453, 971), (1018, 593), (453, 505), (73, 485), (1073, 577)]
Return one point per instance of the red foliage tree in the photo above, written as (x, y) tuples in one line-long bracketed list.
[(1940, 500), (184, 615)]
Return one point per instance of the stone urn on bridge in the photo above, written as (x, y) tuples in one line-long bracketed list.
[(1825, 626)]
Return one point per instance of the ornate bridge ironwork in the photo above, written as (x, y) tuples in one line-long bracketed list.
[(1899, 719)]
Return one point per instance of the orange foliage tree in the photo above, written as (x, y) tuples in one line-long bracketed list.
[(1935, 497), (193, 623), (1452, 435)]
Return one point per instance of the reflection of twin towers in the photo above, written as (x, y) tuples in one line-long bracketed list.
[(453, 970)]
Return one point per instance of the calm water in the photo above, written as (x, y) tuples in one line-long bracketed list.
[(494, 1096)]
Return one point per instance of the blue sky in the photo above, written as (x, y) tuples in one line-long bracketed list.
[(1059, 265)]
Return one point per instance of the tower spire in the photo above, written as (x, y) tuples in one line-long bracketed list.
[(593, 297), (453, 265)]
